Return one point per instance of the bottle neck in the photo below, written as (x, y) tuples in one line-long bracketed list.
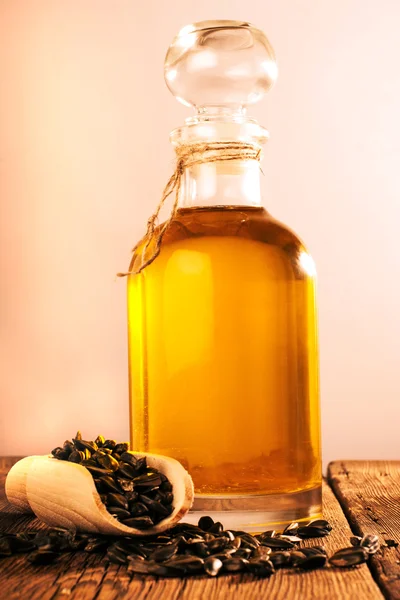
[(230, 183)]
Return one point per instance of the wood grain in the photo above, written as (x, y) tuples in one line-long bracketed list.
[(85, 576), (369, 493)]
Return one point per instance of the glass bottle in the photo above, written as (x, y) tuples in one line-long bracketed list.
[(223, 354)]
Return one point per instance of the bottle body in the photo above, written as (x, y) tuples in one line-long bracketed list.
[(223, 362)]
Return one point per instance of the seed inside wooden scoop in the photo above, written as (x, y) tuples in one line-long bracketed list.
[(142, 494)]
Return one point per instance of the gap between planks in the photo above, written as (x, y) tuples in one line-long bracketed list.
[(369, 494)]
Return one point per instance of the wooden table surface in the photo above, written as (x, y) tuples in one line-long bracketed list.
[(359, 497)]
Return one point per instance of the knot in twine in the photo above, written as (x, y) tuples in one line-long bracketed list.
[(187, 156)]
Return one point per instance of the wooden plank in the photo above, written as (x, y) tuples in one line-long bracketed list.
[(85, 576), (369, 493), (6, 462)]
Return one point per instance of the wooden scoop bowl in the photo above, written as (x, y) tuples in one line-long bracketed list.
[(63, 494)]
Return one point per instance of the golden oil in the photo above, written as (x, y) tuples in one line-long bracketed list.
[(223, 354)]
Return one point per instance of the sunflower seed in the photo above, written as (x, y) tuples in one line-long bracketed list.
[(201, 550), (187, 564), (117, 500), (266, 535), (109, 444), (98, 470), (57, 539), (315, 561), (129, 459), (166, 486), (155, 507), (85, 445), (291, 529), (262, 553), (291, 538), (89, 462), (205, 523), (108, 462), (44, 542), (79, 542), (217, 545), (216, 528), (222, 556), (280, 559), (42, 557), (147, 481), (320, 523), (121, 513), (25, 535), (261, 568), (99, 441), (68, 446), (278, 543), (297, 557), (138, 509), (167, 498), (138, 566), (141, 465), (5, 547), (138, 522), (313, 551), (96, 544), (60, 453), (349, 557), (76, 456), (121, 447), (311, 531), (129, 546), (126, 485), (212, 566), (163, 539), (236, 542), (126, 471), (110, 484), (197, 539), (19, 544), (247, 540), (270, 533), (371, 543), (355, 540), (234, 565), (243, 553), (132, 497), (164, 553), (191, 530), (160, 570), (116, 556)]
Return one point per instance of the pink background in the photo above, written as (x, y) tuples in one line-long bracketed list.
[(84, 155)]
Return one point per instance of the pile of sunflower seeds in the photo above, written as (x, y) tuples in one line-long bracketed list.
[(135, 494), (187, 550)]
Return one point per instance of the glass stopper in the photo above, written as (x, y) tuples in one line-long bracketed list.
[(220, 66)]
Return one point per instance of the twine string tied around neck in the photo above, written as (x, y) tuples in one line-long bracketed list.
[(188, 155)]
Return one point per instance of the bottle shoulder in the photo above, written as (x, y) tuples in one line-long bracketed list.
[(254, 224)]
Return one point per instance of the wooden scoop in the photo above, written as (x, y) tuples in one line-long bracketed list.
[(63, 494)]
